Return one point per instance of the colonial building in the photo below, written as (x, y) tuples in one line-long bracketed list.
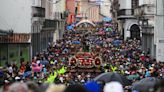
[(60, 14), (127, 23), (48, 23), (137, 19), (145, 14), (114, 8), (70, 7), (88, 9), (38, 18), (16, 16), (83, 9), (105, 7), (34, 23), (159, 30)]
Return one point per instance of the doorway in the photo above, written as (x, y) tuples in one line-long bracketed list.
[(135, 32)]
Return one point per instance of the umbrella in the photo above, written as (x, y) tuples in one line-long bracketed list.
[(109, 39), (44, 62), (107, 19), (131, 77), (111, 76), (146, 84), (108, 29), (26, 74), (116, 42), (76, 42), (92, 86), (107, 24), (98, 42), (1, 73), (69, 27), (100, 33)]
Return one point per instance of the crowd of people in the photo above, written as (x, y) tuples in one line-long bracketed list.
[(90, 86), (117, 55)]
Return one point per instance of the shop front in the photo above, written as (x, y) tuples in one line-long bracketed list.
[(13, 48)]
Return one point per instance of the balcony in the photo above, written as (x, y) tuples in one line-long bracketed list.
[(50, 24), (145, 10), (38, 11), (125, 13)]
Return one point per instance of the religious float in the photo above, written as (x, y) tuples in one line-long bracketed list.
[(85, 62)]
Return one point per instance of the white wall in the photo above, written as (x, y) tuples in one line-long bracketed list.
[(36, 3), (48, 9), (142, 2), (159, 20), (125, 4), (105, 7), (159, 31), (59, 7), (16, 15)]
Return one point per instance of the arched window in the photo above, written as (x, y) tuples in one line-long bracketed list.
[(135, 31)]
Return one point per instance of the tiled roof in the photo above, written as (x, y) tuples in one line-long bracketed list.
[(15, 38)]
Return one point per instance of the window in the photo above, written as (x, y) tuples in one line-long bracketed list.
[(135, 4), (161, 41)]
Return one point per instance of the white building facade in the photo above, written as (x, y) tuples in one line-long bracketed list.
[(105, 7), (159, 30), (87, 9), (34, 23), (145, 13), (127, 23), (59, 14)]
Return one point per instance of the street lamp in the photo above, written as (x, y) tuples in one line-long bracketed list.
[(143, 22)]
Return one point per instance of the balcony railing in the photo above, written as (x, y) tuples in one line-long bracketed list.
[(50, 24), (125, 12), (38, 12)]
